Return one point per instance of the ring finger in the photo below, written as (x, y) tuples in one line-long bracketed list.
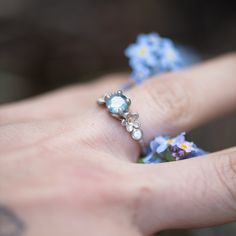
[(176, 102), (61, 103)]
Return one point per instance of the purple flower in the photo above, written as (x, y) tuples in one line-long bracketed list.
[(178, 139), (164, 148), (164, 142), (187, 146)]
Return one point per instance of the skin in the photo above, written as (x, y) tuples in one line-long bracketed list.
[(68, 168)]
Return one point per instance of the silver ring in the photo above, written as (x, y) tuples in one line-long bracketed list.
[(118, 106)]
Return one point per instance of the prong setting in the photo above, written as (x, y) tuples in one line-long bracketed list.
[(101, 101), (128, 101), (118, 106), (119, 92), (120, 112), (106, 97)]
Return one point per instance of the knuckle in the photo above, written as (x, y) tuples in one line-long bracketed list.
[(225, 167), (170, 97)]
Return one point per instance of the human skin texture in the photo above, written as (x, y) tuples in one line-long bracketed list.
[(68, 168)]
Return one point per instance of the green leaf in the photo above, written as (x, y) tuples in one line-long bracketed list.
[(168, 155), (140, 161)]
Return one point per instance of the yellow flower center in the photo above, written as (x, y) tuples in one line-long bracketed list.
[(143, 51), (169, 141), (184, 146), (170, 55)]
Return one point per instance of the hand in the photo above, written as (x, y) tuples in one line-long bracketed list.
[(67, 167)]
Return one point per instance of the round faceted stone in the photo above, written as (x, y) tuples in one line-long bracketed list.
[(116, 103), (137, 134)]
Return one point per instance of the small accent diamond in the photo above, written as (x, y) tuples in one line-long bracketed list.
[(137, 134)]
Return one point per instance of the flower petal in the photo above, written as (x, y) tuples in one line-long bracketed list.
[(162, 148)]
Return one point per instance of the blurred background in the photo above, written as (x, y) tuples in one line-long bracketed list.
[(46, 44)]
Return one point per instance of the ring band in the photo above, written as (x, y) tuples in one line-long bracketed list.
[(118, 106)]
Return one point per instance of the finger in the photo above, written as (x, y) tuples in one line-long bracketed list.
[(61, 103), (62, 135), (70, 133), (20, 135), (169, 104), (177, 102), (198, 192)]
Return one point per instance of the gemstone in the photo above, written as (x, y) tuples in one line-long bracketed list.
[(137, 134), (116, 103)]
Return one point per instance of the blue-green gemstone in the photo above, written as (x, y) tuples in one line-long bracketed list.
[(117, 102)]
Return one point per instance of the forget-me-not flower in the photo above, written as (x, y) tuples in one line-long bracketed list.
[(140, 74), (151, 55), (164, 148), (169, 56), (141, 52)]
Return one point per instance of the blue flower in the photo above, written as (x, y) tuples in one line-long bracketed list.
[(150, 158), (151, 38), (164, 148), (178, 139), (151, 55), (164, 142), (151, 153), (141, 52), (140, 74), (169, 56), (199, 152)]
